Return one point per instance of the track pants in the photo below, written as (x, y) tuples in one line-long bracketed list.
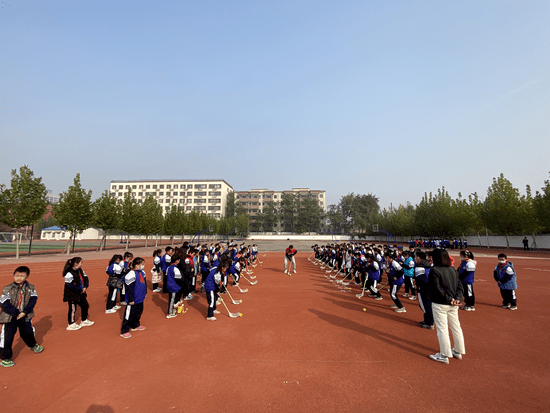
[(508, 297), (132, 316), (7, 334), (211, 299), (446, 317), (293, 260), (409, 285), (426, 306), (83, 304), (394, 297), (469, 297), (171, 301), (371, 285), (111, 298)]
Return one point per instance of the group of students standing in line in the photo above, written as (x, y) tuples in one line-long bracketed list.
[(177, 269), (428, 276)]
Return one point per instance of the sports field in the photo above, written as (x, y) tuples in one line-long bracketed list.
[(302, 345)]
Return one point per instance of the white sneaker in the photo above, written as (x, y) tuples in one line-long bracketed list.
[(456, 354), (74, 326), (157, 290), (294, 271), (440, 358), (217, 312), (86, 323), (412, 297), (400, 310), (117, 307), (111, 311), (406, 295), (189, 297), (512, 307), (122, 303), (171, 315), (211, 318)]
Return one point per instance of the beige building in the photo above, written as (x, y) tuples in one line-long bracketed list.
[(208, 196)]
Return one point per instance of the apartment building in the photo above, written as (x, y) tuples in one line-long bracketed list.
[(256, 199), (208, 196)]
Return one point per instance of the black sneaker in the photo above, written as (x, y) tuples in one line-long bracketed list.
[(422, 324)]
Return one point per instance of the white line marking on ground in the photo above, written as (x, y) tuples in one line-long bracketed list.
[(315, 361), (538, 269)]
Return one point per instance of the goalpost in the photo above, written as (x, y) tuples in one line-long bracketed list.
[(13, 238)]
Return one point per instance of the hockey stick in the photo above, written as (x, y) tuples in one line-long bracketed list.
[(238, 286), (251, 283), (232, 315), (232, 299), (363, 292)]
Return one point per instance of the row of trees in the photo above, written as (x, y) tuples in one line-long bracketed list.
[(504, 211), (25, 203)]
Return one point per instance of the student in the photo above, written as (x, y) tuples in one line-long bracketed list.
[(235, 270), (373, 276), (466, 272), (212, 285), (173, 285), (421, 274), (505, 276), (165, 262), (290, 252), (114, 271), (156, 263), (408, 271), (136, 290), (74, 293), (445, 293), (17, 302), (395, 279), (126, 265)]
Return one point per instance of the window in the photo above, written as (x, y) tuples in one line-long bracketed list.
[(147, 186), (113, 188), (167, 208), (214, 193), (134, 187), (175, 201), (120, 194), (175, 187), (200, 201), (141, 187), (182, 193), (182, 201), (161, 186), (139, 201), (120, 187), (154, 193), (200, 186), (275, 196), (161, 193), (200, 208), (189, 193), (127, 186), (214, 201), (168, 186), (214, 186), (140, 193), (188, 208), (202, 193), (214, 208), (320, 195), (189, 201)]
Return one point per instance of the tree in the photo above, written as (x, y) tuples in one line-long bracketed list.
[(152, 220), (174, 222), (269, 217), (242, 225), (130, 215), (288, 212), (541, 207), (106, 216), (502, 208), (309, 216), (74, 210), (24, 203)]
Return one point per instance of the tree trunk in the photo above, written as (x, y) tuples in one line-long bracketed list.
[(146, 238), (16, 245), (30, 240), (74, 239), (102, 242), (479, 239), (507, 242), (172, 239), (157, 240), (534, 244), (127, 241)]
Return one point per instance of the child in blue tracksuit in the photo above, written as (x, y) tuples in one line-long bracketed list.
[(136, 290), (395, 279), (165, 262), (421, 272), (17, 301), (212, 285), (373, 277), (114, 271), (466, 272), (505, 276), (408, 272), (174, 282)]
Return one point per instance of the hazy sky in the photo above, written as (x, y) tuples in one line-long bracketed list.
[(393, 98)]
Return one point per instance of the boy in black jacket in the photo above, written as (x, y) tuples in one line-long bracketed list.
[(17, 301)]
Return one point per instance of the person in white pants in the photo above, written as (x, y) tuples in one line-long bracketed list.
[(445, 292)]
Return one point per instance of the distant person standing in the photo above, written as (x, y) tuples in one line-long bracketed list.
[(505, 276), (525, 244), (290, 252)]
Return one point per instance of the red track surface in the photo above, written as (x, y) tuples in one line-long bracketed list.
[(301, 346)]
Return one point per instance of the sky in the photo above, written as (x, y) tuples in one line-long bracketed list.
[(391, 98)]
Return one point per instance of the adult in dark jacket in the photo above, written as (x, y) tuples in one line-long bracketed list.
[(445, 292)]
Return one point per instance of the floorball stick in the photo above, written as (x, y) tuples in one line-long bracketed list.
[(232, 299), (232, 315)]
